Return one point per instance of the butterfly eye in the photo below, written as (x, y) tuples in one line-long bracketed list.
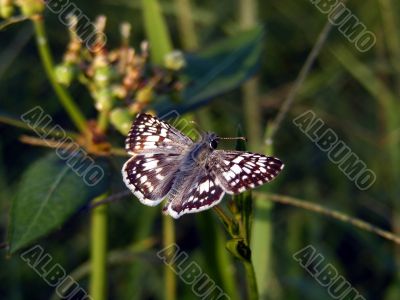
[(213, 144)]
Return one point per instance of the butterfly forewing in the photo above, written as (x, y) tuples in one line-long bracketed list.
[(157, 148), (149, 134), (238, 171)]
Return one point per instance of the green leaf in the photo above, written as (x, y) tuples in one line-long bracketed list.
[(217, 70), (49, 192), (156, 31)]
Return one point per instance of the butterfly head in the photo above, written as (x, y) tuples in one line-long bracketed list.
[(212, 140)]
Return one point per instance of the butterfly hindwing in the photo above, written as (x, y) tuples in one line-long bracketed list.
[(238, 171), (199, 193), (150, 176)]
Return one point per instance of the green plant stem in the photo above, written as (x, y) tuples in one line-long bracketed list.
[(310, 206), (98, 253), (251, 98), (226, 221), (66, 100), (168, 240), (98, 284), (260, 244), (252, 290), (11, 21), (301, 77), (19, 124), (102, 120)]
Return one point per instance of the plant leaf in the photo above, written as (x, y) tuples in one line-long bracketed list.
[(156, 31), (49, 192), (217, 70)]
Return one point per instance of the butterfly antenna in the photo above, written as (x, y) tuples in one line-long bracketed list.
[(234, 138)]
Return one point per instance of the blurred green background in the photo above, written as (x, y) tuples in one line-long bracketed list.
[(355, 93)]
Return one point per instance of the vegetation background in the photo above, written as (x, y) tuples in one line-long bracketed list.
[(356, 94)]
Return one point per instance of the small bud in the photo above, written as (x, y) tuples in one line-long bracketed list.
[(121, 119), (104, 99), (102, 76), (174, 60), (64, 73)]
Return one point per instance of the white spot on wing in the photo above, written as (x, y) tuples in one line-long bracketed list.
[(236, 169), (149, 165)]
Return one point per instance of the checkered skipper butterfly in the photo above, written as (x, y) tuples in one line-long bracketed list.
[(194, 176)]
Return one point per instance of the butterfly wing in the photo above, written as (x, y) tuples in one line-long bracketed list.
[(237, 171), (157, 150), (150, 176), (194, 193), (149, 134)]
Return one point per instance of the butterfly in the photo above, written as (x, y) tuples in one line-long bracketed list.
[(193, 176)]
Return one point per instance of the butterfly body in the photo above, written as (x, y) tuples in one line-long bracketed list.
[(194, 176)]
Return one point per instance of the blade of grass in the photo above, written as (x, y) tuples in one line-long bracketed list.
[(156, 31)]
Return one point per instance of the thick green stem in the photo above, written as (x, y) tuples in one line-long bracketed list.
[(169, 239), (98, 253), (66, 100), (252, 290)]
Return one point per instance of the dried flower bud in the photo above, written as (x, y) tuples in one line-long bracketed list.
[(125, 30)]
